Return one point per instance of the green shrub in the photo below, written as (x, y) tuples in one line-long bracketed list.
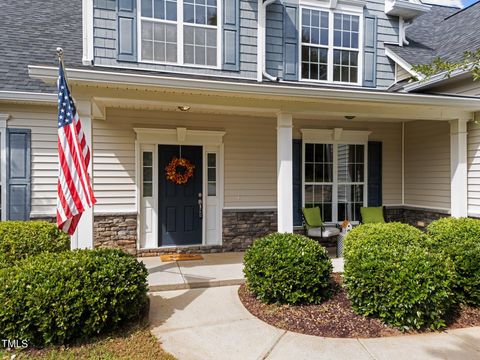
[(20, 239), (459, 239), (60, 298), (390, 273), (288, 268)]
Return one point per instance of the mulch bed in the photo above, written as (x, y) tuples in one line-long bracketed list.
[(335, 317)]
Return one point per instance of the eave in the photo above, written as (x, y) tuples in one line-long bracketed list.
[(405, 9), (84, 77), (438, 79), (27, 97)]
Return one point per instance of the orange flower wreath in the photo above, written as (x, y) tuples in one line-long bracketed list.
[(174, 175)]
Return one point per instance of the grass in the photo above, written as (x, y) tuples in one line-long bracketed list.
[(134, 342)]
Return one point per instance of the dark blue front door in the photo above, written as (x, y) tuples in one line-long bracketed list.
[(180, 217)]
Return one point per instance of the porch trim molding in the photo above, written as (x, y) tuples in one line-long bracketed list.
[(335, 135), (105, 78), (148, 139), (179, 135)]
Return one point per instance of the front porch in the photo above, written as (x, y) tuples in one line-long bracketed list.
[(252, 184), (261, 152)]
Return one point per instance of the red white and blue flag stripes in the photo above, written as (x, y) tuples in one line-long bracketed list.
[(74, 189)]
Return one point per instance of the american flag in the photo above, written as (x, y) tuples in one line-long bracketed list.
[(74, 189)]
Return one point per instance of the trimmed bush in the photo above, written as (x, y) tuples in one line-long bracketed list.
[(459, 239), (70, 296), (288, 268), (21, 239), (390, 274)]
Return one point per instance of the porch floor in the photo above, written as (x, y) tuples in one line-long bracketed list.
[(221, 269)]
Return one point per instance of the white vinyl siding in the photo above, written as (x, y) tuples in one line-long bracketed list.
[(473, 153), (427, 164), (468, 87), (249, 160)]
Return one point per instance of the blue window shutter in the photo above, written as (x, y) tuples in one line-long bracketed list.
[(231, 35), (297, 182), (18, 174), (375, 173), (127, 30), (370, 52), (290, 42)]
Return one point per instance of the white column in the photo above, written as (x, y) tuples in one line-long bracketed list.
[(83, 237), (458, 167), (284, 173)]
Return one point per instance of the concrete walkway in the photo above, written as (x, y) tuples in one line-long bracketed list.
[(211, 323), (215, 270)]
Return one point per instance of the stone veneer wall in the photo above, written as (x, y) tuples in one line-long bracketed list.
[(413, 216), (115, 231), (242, 227)]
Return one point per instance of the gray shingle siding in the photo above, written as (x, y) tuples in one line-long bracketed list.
[(387, 32), (105, 35), (31, 39)]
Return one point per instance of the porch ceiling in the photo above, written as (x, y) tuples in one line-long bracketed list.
[(156, 93)]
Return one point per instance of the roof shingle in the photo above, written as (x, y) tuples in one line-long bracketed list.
[(443, 32)]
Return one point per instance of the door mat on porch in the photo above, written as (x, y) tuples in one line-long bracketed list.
[(180, 257)]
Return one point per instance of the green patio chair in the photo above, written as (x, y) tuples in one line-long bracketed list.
[(314, 226), (373, 215)]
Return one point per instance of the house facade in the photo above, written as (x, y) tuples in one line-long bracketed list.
[(276, 105)]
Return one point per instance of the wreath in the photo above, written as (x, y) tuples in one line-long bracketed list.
[(179, 170)]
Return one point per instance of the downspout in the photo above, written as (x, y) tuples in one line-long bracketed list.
[(262, 39)]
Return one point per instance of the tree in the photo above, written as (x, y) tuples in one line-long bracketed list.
[(469, 61)]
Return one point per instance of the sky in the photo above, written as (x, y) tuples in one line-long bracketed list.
[(458, 3)]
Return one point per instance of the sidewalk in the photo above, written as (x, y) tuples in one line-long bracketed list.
[(215, 270), (211, 323)]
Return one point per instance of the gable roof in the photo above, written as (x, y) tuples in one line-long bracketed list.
[(30, 34), (443, 32)]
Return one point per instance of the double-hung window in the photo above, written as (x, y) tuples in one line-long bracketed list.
[(334, 180), (183, 32), (330, 46)]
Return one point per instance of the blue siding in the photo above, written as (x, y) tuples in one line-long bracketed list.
[(105, 41), (387, 32)]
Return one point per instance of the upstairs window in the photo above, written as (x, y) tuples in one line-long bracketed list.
[(200, 32), (345, 48), (330, 46), (183, 32)]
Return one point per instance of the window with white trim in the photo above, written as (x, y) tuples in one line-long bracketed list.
[(183, 32), (330, 46), (334, 180)]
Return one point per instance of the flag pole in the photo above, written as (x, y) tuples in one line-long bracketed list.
[(60, 60)]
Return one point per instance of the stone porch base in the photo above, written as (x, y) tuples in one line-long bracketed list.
[(240, 228), (418, 217)]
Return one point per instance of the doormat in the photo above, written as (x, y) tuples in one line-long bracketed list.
[(180, 257)]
